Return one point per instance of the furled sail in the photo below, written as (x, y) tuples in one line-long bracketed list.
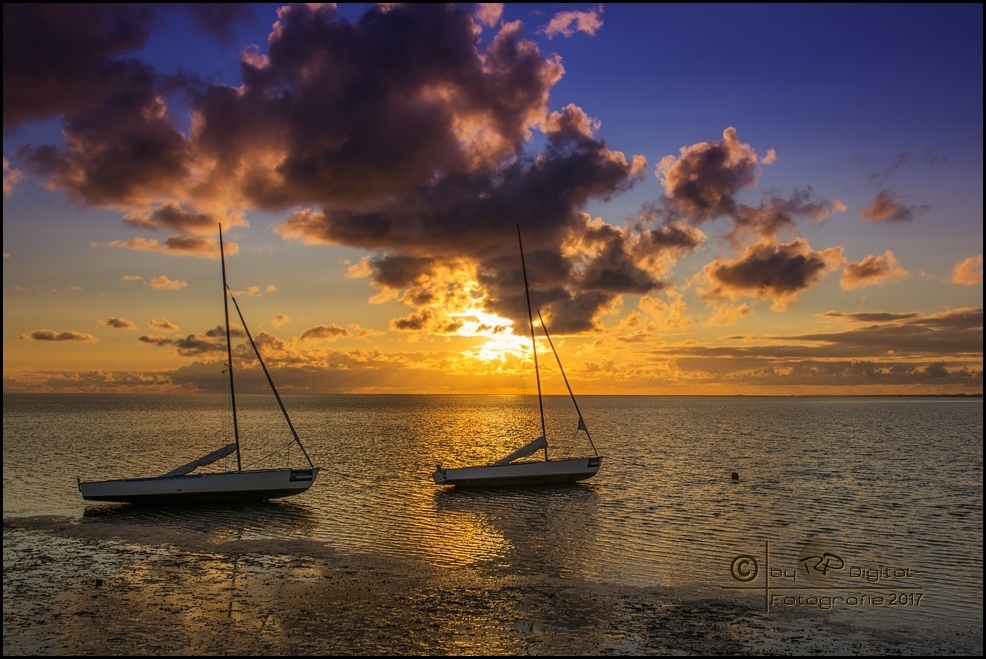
[(524, 451), (203, 461)]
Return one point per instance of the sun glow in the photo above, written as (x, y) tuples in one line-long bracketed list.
[(501, 340)]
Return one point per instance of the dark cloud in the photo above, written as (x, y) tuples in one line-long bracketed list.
[(65, 58), (870, 317), (180, 244), (678, 238), (358, 111), (219, 332), (835, 376), (427, 321), (701, 184), (118, 323), (615, 271), (775, 215), (195, 345), (155, 340), (703, 180), (890, 350), (475, 215), (50, 335), (322, 332), (956, 333), (573, 314), (769, 271), (397, 271), (172, 216), (198, 345), (127, 152), (885, 207)]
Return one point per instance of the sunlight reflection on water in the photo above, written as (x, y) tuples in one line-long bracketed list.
[(884, 481)]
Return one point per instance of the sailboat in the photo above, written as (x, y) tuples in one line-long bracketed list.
[(513, 470), (181, 485)]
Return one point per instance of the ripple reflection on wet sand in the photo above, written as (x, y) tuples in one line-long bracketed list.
[(103, 588)]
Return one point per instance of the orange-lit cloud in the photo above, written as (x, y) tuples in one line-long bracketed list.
[(969, 272), (885, 207), (118, 323), (727, 314), (489, 13), (249, 291), (669, 314), (567, 23), (279, 319), (11, 177), (164, 283), (163, 325), (50, 335), (872, 271), (769, 271), (940, 350), (874, 352)]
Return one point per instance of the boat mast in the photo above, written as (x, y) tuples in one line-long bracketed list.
[(530, 320), (229, 352)]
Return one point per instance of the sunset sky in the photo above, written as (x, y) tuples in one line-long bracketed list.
[(735, 199)]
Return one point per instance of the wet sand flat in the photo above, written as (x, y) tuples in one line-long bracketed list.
[(97, 589)]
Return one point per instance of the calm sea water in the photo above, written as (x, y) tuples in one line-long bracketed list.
[(890, 487)]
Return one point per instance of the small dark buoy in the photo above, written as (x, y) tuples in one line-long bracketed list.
[(735, 476)]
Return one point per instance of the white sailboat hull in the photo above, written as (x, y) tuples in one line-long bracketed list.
[(550, 472), (230, 486)]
